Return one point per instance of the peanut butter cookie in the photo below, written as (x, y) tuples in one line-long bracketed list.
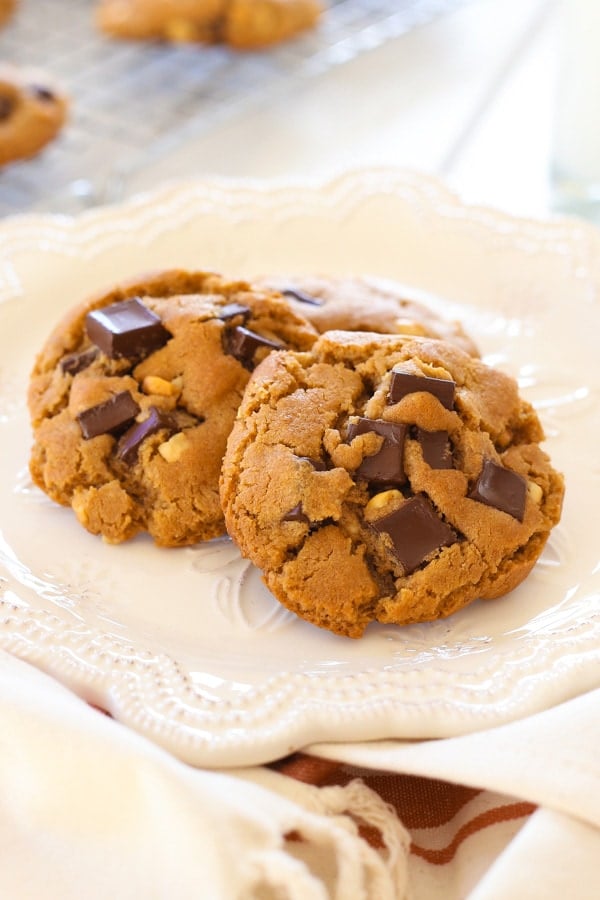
[(245, 24), (366, 304), (7, 7), (390, 479), (251, 24), (31, 113), (135, 392)]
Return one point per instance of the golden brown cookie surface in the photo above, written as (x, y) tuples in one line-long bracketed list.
[(31, 113), (364, 304), (134, 394), (245, 24), (376, 478)]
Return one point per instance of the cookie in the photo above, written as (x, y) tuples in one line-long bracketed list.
[(31, 113), (245, 24), (390, 479), (135, 392), (171, 20), (367, 304), (251, 24), (7, 8)]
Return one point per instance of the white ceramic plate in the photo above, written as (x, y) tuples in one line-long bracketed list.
[(187, 646)]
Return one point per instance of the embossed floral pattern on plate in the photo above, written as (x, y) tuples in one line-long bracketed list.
[(187, 646)]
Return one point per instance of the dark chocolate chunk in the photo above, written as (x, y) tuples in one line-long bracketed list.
[(302, 296), (404, 383), (317, 464), (296, 515), (77, 362), (386, 465), (127, 329), (231, 310), (6, 107), (129, 443), (109, 417), (41, 93), (416, 531), (501, 488), (435, 447), (243, 344)]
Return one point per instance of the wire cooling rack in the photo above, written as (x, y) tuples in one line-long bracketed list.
[(135, 102)]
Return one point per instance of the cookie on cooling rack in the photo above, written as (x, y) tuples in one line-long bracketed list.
[(389, 479), (179, 20), (135, 392), (251, 24), (245, 24), (366, 304), (31, 113)]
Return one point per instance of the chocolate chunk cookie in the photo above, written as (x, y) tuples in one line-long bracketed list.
[(135, 392), (31, 113), (390, 479), (367, 304), (245, 24)]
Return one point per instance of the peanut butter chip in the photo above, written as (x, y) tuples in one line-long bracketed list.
[(152, 384), (173, 449)]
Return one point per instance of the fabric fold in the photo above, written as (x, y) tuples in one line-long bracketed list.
[(549, 758), (553, 856), (90, 808)]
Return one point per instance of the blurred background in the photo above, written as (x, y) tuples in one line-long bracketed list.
[(464, 89)]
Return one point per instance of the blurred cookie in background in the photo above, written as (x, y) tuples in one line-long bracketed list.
[(168, 20), (244, 24), (32, 112), (251, 24), (7, 8)]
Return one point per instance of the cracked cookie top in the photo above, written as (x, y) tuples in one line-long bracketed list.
[(390, 479), (134, 394), (366, 304)]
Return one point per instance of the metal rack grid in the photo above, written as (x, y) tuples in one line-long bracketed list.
[(135, 102)]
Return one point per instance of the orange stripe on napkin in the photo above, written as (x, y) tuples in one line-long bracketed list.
[(493, 816), (420, 803)]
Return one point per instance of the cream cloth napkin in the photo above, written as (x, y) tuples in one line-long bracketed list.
[(90, 809)]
